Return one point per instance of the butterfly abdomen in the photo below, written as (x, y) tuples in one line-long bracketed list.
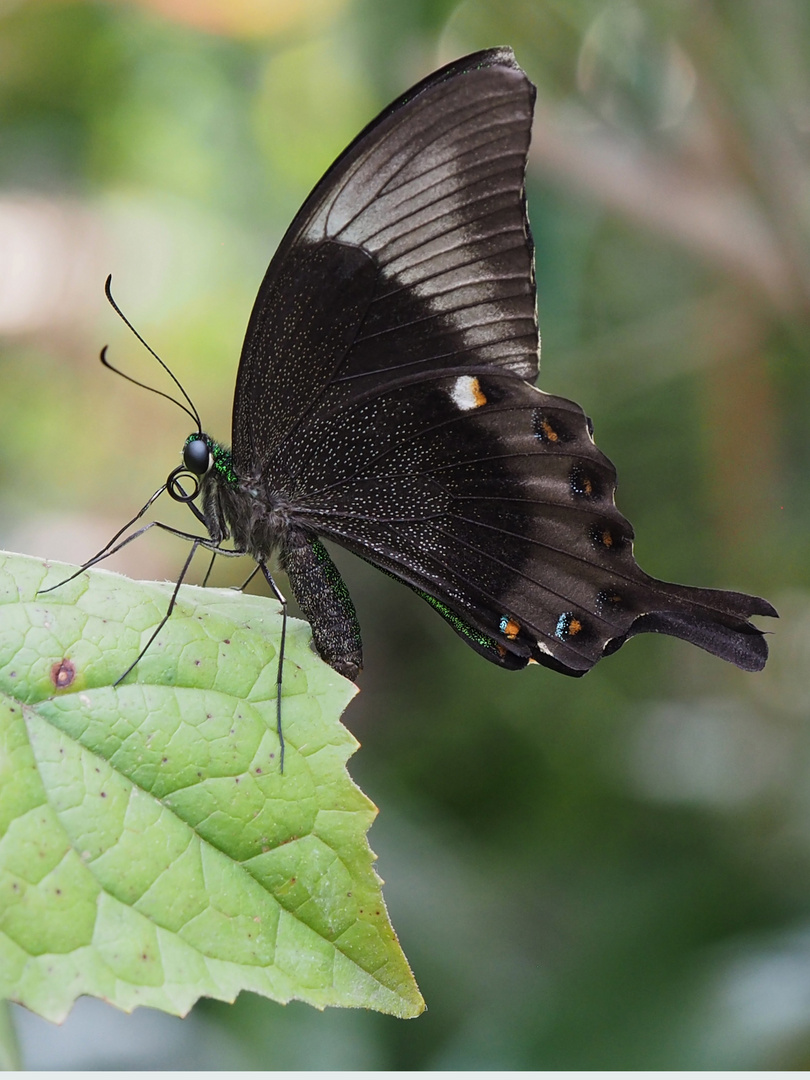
[(324, 601)]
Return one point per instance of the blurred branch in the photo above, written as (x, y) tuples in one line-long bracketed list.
[(716, 219), (698, 135), (639, 355)]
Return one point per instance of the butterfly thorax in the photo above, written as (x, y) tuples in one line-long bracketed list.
[(241, 507)]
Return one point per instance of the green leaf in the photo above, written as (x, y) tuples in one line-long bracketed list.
[(151, 851)]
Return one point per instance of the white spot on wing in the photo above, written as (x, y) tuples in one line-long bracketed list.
[(466, 393)]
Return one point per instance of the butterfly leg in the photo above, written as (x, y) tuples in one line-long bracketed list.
[(110, 548), (247, 581), (283, 602), (169, 609), (210, 568)]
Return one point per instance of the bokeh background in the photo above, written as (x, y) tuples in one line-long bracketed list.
[(611, 872)]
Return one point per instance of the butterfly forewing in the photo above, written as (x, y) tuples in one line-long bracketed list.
[(422, 220)]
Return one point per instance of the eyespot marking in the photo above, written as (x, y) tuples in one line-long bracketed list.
[(548, 429), (568, 626), (583, 485), (608, 599), (607, 538), (544, 430), (467, 394), (509, 628)]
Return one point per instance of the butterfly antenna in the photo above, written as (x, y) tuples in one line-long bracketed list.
[(191, 410)]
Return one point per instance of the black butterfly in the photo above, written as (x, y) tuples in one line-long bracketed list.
[(385, 400)]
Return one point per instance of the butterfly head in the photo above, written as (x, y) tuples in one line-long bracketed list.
[(202, 456), (197, 456), (198, 459)]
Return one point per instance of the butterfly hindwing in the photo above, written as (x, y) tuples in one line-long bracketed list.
[(514, 532)]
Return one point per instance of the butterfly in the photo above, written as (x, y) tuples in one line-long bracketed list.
[(386, 401)]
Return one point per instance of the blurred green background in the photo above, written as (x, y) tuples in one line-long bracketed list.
[(603, 873)]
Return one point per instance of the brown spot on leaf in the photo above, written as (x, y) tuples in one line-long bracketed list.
[(63, 672)]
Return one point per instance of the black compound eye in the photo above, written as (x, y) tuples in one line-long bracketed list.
[(197, 457)]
